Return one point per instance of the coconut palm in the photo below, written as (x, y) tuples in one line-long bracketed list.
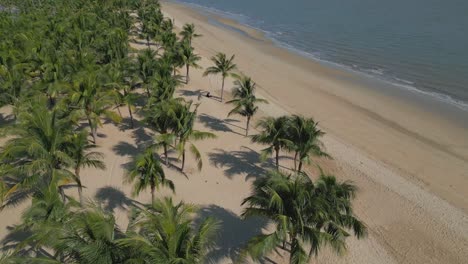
[(223, 66), (305, 215), (245, 102), (273, 133), (90, 98), (164, 233), (159, 117), (146, 68), (82, 154), (12, 80), (305, 137), (147, 172), (119, 79), (90, 236), (43, 220), (189, 59), (163, 87), (188, 33), (36, 157), (185, 121)]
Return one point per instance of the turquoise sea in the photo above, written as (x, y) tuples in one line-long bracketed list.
[(420, 45)]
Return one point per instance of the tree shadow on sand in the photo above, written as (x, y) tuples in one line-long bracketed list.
[(142, 140), (111, 198), (6, 120), (246, 161), (13, 238), (233, 234), (189, 93), (217, 124)]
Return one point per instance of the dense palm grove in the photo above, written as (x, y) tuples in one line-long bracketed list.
[(65, 68)]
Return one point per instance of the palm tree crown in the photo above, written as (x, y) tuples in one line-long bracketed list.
[(188, 33), (82, 154), (148, 173), (223, 66), (274, 133), (304, 213), (185, 120), (245, 102), (164, 233), (189, 59), (305, 137)]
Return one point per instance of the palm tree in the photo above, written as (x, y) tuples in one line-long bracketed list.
[(119, 79), (189, 59), (82, 154), (94, 102), (164, 233), (90, 236), (305, 137), (303, 213), (159, 117), (245, 102), (146, 67), (43, 219), (273, 133), (147, 172), (12, 81), (185, 121), (188, 33), (223, 66), (36, 157)]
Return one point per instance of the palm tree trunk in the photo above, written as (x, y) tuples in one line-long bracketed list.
[(131, 116), (118, 111), (62, 194), (187, 77), (80, 186), (295, 160), (147, 41), (277, 157), (93, 130), (300, 166), (148, 91), (247, 127), (51, 101), (183, 160), (152, 193), (222, 90), (165, 154)]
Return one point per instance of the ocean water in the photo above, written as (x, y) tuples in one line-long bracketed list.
[(421, 45)]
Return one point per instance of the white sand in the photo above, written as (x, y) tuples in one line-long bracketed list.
[(412, 193)]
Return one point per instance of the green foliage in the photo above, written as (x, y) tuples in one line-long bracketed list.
[(36, 157), (245, 102), (223, 66), (67, 63), (188, 33), (306, 215), (147, 172), (189, 59), (274, 132), (305, 135), (164, 233), (184, 118)]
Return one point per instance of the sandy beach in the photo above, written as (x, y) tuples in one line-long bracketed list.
[(409, 162)]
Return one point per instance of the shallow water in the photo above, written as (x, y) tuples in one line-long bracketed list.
[(417, 44)]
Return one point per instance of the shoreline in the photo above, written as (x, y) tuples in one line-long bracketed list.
[(374, 114), (409, 164), (450, 105)]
